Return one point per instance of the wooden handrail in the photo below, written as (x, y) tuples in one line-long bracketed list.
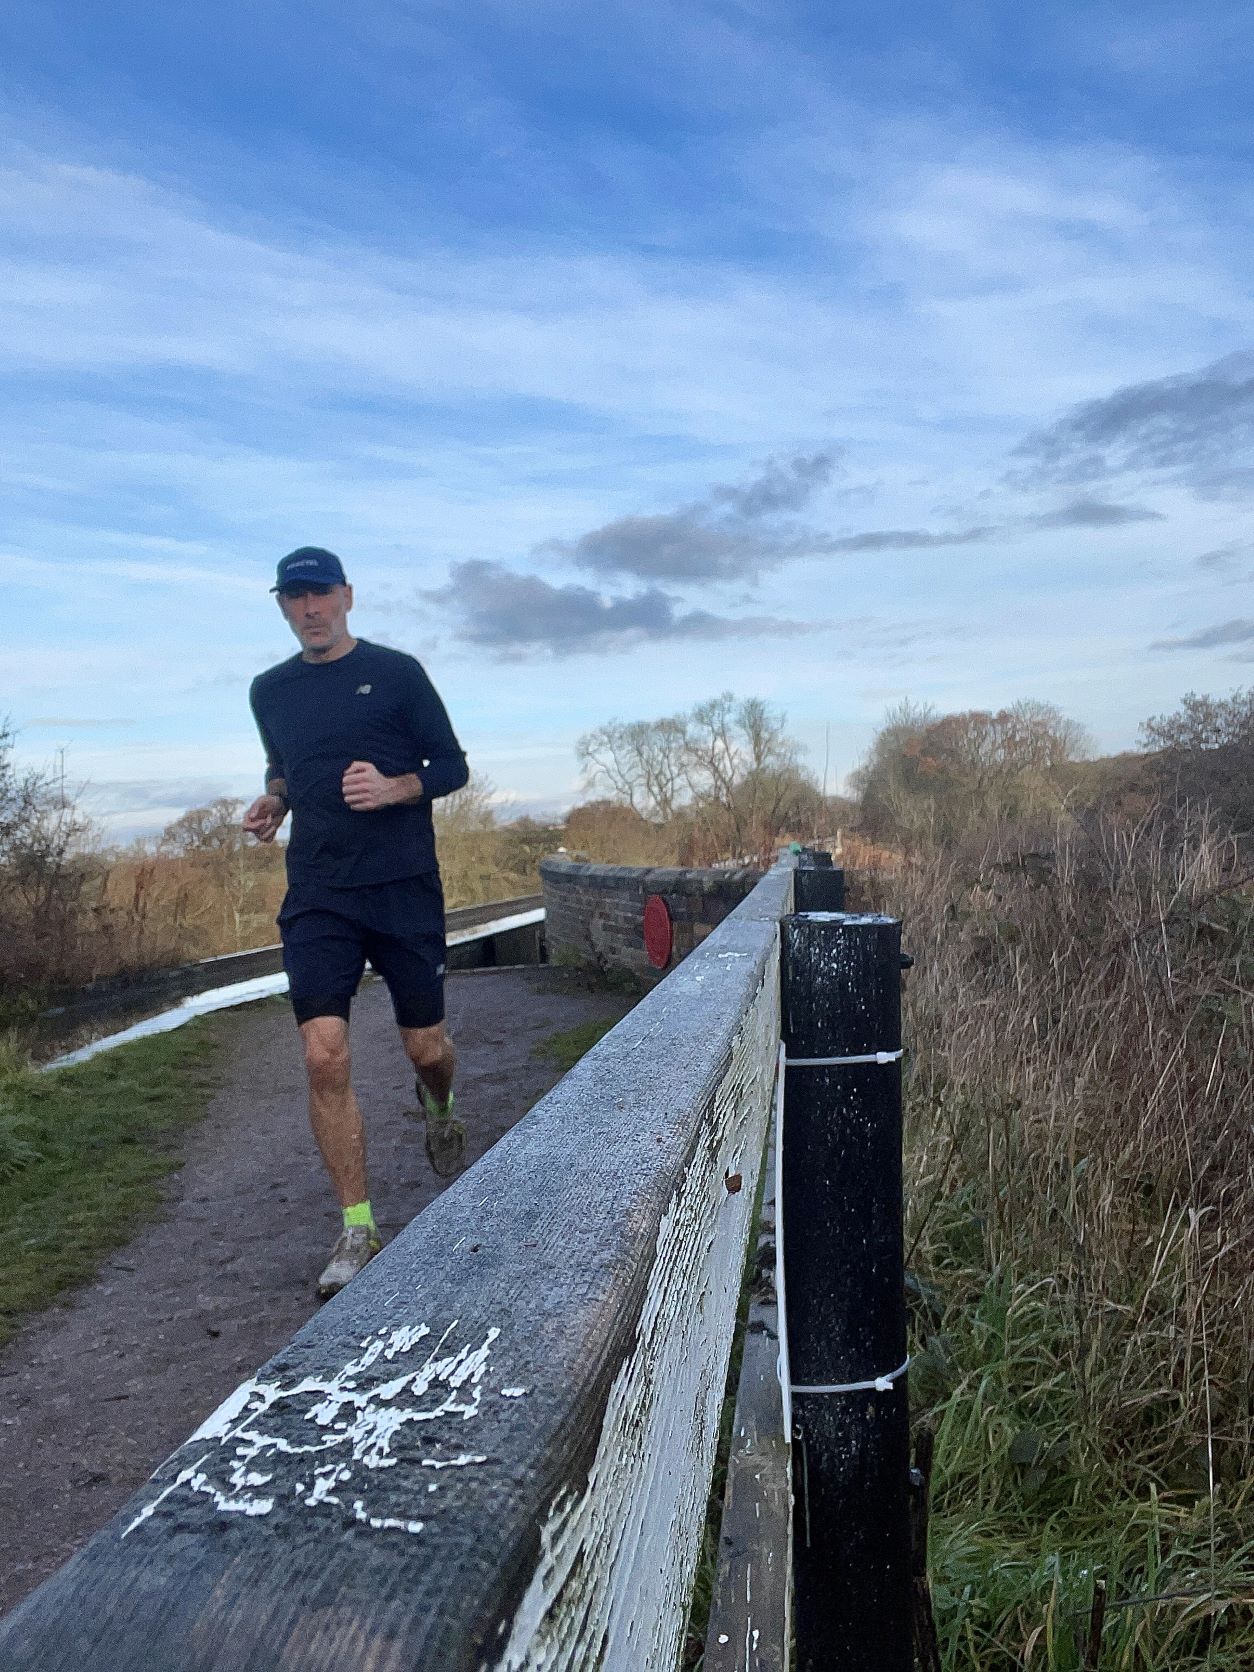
[(493, 1449)]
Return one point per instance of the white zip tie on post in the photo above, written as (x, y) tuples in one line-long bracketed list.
[(877, 1384), (879, 1057)]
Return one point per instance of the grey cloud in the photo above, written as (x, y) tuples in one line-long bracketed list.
[(731, 534), (513, 614), (1195, 427), (1222, 557), (1209, 638), (679, 547), (1095, 513), (906, 539), (780, 487), (682, 545)]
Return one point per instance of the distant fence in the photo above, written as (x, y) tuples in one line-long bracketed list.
[(494, 933), (493, 1450), (595, 914)]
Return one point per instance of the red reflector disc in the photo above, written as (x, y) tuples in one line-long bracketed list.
[(658, 937)]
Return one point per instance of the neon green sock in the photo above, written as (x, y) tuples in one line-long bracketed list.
[(361, 1213), (432, 1105)]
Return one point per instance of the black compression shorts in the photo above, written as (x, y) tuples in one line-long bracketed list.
[(329, 935)]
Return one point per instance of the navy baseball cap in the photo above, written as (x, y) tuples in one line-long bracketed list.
[(309, 565)]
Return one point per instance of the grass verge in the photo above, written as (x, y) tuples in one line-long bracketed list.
[(1080, 1170), (83, 1152), (565, 1048)]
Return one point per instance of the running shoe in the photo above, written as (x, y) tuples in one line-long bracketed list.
[(445, 1135), (356, 1247)]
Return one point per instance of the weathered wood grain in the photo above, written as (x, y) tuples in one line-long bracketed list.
[(750, 1625), (493, 1449)]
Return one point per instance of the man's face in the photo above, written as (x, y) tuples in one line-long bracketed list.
[(317, 614)]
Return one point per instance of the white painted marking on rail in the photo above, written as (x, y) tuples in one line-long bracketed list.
[(383, 1523), (355, 1417)]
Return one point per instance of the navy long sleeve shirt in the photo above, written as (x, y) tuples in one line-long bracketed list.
[(315, 719)]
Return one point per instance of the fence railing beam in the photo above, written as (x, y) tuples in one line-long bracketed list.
[(494, 1448)]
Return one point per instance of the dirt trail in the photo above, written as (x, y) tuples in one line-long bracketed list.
[(94, 1394)]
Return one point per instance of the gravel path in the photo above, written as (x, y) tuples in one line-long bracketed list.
[(94, 1394)]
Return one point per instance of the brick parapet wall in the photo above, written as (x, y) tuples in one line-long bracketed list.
[(594, 914)]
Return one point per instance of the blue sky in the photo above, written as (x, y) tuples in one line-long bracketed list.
[(626, 355)]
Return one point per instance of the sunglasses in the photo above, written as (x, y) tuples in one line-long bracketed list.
[(299, 589)]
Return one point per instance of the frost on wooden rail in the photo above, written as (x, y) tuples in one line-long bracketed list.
[(492, 1451)]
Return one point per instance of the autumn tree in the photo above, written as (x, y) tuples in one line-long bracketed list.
[(611, 832), (232, 869), (473, 863), (1204, 754), (937, 776)]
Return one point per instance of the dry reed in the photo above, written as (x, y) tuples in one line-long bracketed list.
[(1081, 1174)]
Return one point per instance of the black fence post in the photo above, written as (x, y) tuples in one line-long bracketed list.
[(844, 1292), (818, 885)]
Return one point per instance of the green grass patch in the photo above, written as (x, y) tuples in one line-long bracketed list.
[(1044, 1485), (564, 1049), (83, 1151)]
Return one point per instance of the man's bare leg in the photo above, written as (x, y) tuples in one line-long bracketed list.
[(335, 1116), (431, 1052), (334, 1113)]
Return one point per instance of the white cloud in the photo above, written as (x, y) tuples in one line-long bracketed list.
[(921, 295)]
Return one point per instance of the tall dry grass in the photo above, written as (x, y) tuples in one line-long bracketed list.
[(1080, 1022)]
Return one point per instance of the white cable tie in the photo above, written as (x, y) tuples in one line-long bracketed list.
[(880, 1057), (877, 1384)]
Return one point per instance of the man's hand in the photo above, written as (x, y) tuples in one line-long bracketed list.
[(264, 817), (366, 789)]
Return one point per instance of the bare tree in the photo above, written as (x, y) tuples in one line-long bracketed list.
[(727, 772), (742, 768), (642, 763), (469, 809), (212, 829), (46, 875), (232, 865)]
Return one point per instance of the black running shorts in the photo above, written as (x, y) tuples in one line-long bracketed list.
[(329, 935)]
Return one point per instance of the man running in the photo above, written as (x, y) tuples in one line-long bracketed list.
[(357, 747)]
